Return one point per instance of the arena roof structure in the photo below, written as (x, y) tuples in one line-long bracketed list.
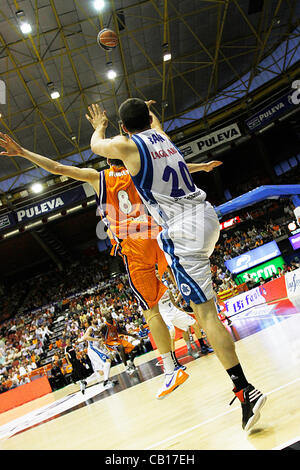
[(225, 55), (221, 50)]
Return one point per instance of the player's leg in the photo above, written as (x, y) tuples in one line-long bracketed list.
[(186, 336), (200, 335), (131, 352), (140, 257), (172, 333), (188, 246), (174, 375)]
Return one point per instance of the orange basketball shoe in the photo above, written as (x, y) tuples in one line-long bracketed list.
[(172, 381)]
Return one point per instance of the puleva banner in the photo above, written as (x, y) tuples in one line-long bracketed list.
[(271, 112), (44, 207), (210, 141)]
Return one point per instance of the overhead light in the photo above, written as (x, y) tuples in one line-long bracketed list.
[(99, 4), (25, 27), (166, 52), (37, 188), (55, 94), (111, 74)]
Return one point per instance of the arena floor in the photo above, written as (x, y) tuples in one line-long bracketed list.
[(197, 416)]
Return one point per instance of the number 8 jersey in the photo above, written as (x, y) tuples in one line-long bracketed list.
[(121, 208), (164, 181)]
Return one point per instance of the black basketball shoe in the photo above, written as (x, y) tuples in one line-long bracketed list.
[(252, 401)]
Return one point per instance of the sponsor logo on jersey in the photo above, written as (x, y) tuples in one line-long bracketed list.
[(185, 289)]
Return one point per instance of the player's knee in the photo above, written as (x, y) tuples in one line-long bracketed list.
[(149, 315)]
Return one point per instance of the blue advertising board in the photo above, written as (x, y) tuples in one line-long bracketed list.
[(271, 112), (253, 258), (44, 207)]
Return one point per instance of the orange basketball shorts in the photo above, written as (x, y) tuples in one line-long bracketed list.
[(140, 257)]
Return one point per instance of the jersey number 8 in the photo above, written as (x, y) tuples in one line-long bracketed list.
[(124, 202)]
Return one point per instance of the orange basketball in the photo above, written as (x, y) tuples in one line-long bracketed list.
[(107, 39)]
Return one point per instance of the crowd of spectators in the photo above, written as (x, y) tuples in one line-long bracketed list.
[(26, 338), (86, 289), (260, 226)]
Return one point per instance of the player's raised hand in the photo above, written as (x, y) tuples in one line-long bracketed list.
[(213, 164), (150, 102), (11, 147), (97, 118)]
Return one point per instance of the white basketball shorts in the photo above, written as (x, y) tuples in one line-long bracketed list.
[(188, 242), (98, 358), (172, 316)]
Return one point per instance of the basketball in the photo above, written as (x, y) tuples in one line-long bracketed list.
[(107, 39)]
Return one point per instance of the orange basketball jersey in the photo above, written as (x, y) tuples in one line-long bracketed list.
[(112, 335), (121, 207)]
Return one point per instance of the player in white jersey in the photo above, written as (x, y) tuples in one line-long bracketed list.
[(99, 356), (190, 226), (176, 318)]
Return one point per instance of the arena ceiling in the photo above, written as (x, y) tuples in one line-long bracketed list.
[(213, 44)]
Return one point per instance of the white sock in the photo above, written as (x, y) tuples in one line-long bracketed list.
[(168, 363), (106, 371)]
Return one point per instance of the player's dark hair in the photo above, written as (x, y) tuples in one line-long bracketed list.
[(134, 114), (115, 162)]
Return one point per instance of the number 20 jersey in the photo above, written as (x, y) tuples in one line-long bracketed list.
[(164, 181)]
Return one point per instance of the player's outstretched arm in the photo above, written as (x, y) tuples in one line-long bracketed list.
[(156, 124), (195, 167), (12, 148)]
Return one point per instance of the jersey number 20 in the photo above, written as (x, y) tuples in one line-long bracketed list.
[(172, 173)]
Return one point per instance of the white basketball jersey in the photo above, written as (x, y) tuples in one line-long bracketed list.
[(164, 181)]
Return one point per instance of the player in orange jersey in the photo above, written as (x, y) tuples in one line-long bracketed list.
[(111, 334), (125, 216)]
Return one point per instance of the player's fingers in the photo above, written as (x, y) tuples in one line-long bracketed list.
[(96, 109), (91, 111)]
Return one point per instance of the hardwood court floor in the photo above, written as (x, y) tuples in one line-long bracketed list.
[(197, 416)]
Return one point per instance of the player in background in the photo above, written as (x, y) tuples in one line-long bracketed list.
[(98, 354), (111, 334), (140, 255), (190, 227), (177, 317), (78, 369)]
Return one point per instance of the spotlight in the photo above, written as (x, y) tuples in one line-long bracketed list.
[(166, 52), (111, 74), (99, 4), (25, 27), (37, 188), (55, 94)]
